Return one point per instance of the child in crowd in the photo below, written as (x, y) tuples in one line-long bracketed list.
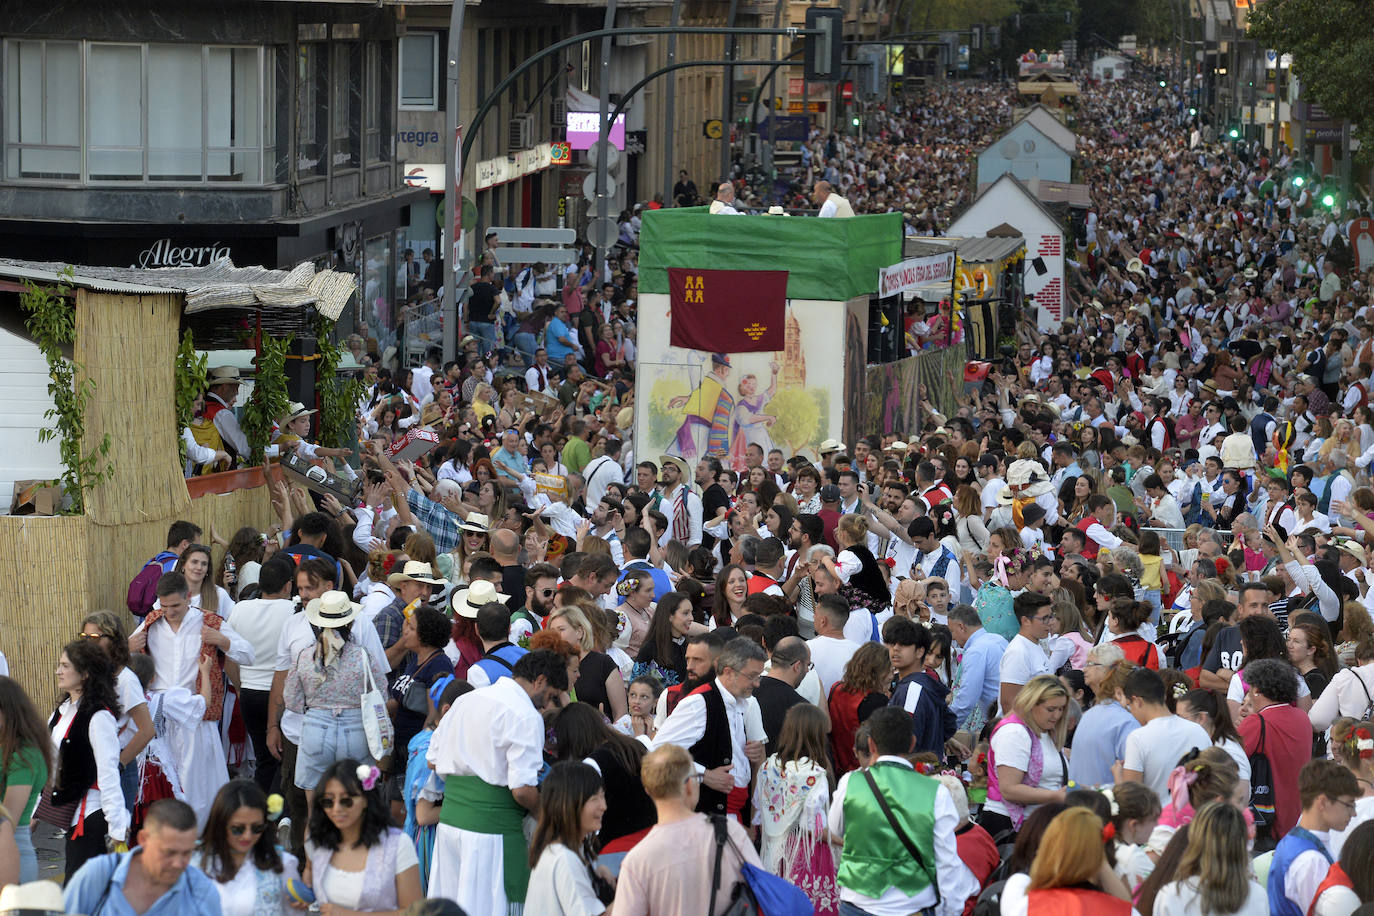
[(1032, 532), (422, 789), (936, 606), (643, 699)]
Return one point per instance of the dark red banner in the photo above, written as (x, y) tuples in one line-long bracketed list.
[(727, 311)]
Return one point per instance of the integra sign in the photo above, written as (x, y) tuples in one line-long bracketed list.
[(165, 253)]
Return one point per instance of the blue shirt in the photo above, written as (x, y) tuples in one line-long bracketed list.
[(515, 464), (979, 674), (194, 892), (1104, 729), (556, 329)]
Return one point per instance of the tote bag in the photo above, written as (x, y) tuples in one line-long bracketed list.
[(381, 736)]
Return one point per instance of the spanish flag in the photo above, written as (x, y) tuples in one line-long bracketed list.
[(727, 311)]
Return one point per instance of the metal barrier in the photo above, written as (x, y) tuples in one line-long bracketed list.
[(423, 323)]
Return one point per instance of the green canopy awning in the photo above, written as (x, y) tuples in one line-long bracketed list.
[(834, 259)]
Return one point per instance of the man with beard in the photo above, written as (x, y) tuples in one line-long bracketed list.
[(702, 652), (541, 584), (680, 504), (488, 749), (713, 495), (806, 532)]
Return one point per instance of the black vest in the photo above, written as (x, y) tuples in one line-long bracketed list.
[(715, 749), (76, 772), (869, 578)]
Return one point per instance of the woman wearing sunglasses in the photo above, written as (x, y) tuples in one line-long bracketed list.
[(355, 859), (239, 852)]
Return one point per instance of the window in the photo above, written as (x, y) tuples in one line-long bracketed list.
[(419, 71), (312, 142), (43, 133), (344, 108), (138, 112)]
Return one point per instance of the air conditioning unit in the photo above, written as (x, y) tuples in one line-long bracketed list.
[(520, 134), (558, 113)]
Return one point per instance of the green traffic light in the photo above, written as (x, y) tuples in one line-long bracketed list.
[(1234, 134), (855, 122), (1163, 84), (1192, 112), (1329, 200), (1297, 181)]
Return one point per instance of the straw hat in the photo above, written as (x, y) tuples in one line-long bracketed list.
[(468, 601), (1135, 266), (1352, 548), (32, 898), (830, 446), (224, 375), (331, 610), (415, 571), (476, 522), (1026, 478), (294, 410), (683, 470)]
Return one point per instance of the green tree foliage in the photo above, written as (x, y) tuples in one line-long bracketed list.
[(190, 384), (339, 397), (269, 399), (52, 322), (1333, 53)]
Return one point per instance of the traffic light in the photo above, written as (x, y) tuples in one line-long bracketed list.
[(1329, 200), (1192, 112), (1233, 133), (824, 53), (1163, 84), (854, 120), (1297, 181)]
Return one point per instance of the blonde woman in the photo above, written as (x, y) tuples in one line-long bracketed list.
[(599, 681), (1026, 765), (1213, 877), (1344, 438), (1070, 873)]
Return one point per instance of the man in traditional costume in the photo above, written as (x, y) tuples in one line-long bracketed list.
[(488, 749), (705, 428), (178, 636)]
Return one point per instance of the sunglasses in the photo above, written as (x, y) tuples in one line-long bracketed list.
[(92, 635), (345, 802), (257, 829)]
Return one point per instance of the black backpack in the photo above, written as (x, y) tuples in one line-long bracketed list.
[(1262, 795)]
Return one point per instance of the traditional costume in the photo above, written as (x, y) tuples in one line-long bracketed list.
[(491, 740)]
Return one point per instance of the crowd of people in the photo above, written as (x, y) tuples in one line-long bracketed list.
[(1101, 637)]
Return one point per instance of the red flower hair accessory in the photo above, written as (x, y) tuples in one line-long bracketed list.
[(1109, 832)]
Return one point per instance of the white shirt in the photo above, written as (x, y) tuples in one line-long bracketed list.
[(532, 380), (560, 885), (296, 636), (421, 383), (956, 882), (493, 733), (377, 597), (260, 624), (130, 698), (228, 425), (105, 748), (694, 511), (603, 471), (1012, 748), (177, 652), (1023, 660), (828, 658), (1153, 750), (686, 725)]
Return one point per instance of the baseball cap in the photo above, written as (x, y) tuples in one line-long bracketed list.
[(830, 493)]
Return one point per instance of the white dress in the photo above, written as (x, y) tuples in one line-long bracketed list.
[(252, 892)]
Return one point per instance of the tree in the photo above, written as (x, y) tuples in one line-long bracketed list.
[(1332, 54)]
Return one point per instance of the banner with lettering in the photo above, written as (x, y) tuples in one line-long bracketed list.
[(727, 311), (915, 272)]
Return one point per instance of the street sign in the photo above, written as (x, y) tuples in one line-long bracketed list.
[(524, 235), (589, 187), (537, 255), (603, 232), (595, 151), (713, 129)]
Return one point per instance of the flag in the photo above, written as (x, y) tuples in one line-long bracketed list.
[(727, 311)]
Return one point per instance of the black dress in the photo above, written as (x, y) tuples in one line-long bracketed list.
[(591, 681)]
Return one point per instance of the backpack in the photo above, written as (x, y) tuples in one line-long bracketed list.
[(143, 589), (1262, 795)]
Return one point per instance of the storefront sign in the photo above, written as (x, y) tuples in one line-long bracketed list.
[(915, 272), (492, 172), (166, 253)]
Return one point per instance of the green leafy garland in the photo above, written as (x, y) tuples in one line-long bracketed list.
[(339, 397), (269, 399), (190, 384), (52, 322)]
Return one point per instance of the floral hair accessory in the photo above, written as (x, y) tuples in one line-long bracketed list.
[(1111, 800), (1108, 833), (891, 562), (368, 776), (1364, 743), (388, 562), (275, 805), (1180, 690)]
